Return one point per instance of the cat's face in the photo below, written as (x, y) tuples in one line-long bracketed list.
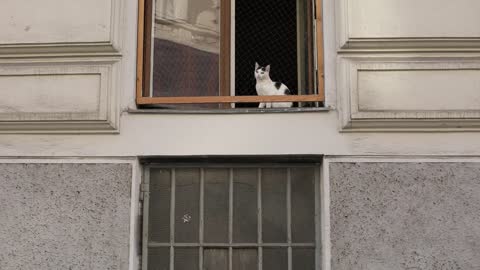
[(262, 72)]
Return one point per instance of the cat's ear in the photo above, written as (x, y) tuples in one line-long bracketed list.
[(256, 65), (267, 68)]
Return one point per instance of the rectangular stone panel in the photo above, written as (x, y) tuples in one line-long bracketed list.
[(55, 21), (54, 96), (65, 216), (404, 215), (419, 90), (412, 18), (58, 96)]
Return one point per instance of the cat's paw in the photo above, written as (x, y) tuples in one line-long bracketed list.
[(262, 105)]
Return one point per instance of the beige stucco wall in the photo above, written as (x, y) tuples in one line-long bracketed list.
[(104, 70)]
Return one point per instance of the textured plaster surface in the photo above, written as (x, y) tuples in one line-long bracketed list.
[(401, 216), (64, 216)]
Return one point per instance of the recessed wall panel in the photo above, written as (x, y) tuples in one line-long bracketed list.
[(399, 93), (58, 97), (55, 21), (54, 96), (413, 18), (419, 90)]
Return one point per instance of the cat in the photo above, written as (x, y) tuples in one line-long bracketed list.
[(266, 87)]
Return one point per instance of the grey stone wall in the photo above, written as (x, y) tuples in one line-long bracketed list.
[(405, 216), (64, 216)]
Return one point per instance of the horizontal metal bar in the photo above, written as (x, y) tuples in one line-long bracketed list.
[(231, 166), (253, 161), (227, 99), (234, 245)]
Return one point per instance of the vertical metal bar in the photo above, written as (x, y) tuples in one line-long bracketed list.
[(201, 223), (146, 205), (172, 220), (318, 258), (230, 219), (230, 258), (289, 217), (259, 219)]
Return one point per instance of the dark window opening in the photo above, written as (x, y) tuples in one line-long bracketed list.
[(275, 33)]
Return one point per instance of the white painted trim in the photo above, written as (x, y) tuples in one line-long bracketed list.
[(325, 214), (411, 45), (402, 158), (135, 215), (329, 52), (88, 160)]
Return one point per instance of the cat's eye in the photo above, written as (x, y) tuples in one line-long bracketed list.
[(195, 53)]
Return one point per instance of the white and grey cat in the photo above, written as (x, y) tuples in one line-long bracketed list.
[(266, 87)]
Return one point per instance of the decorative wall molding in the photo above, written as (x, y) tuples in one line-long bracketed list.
[(411, 26), (379, 93), (59, 108), (63, 43)]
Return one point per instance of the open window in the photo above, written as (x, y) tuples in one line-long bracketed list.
[(202, 53)]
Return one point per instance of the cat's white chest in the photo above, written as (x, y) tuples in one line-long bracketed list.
[(264, 89)]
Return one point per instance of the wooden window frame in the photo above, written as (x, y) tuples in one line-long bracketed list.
[(144, 37)]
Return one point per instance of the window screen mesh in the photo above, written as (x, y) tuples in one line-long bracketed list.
[(265, 32), (232, 218), (275, 33)]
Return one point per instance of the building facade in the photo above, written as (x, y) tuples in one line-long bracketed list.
[(396, 144)]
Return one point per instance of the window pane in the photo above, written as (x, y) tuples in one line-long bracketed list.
[(216, 205), (187, 198), (215, 259), (159, 259), (245, 259), (275, 259), (303, 204), (159, 211), (245, 205), (186, 48), (186, 259), (303, 259), (274, 205)]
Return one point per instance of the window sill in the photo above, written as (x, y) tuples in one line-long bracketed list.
[(229, 111)]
